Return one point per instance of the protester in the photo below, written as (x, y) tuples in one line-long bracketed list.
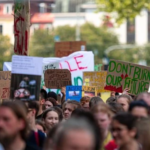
[(40, 126), (103, 116), (115, 108), (43, 97), (81, 113), (36, 136), (124, 131), (85, 102), (50, 118), (73, 134), (125, 101), (111, 100), (52, 95), (143, 127), (14, 127), (50, 102), (139, 109), (69, 107), (144, 96), (95, 101)]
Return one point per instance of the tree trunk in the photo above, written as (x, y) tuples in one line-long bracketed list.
[(21, 26)]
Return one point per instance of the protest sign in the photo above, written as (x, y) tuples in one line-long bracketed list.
[(96, 79), (74, 93), (26, 77), (76, 63), (66, 48), (90, 91), (5, 78), (123, 75), (57, 78)]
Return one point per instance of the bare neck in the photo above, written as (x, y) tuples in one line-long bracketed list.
[(17, 143), (33, 125), (40, 110)]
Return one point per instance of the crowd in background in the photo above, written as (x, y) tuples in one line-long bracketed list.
[(53, 123)]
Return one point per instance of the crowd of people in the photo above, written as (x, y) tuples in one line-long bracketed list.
[(53, 123)]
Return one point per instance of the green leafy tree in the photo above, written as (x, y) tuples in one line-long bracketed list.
[(124, 8), (66, 33), (97, 38), (6, 50), (41, 43)]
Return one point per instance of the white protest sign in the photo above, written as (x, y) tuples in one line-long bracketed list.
[(76, 63), (26, 65)]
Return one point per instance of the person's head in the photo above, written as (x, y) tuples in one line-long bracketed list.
[(145, 97), (81, 113), (50, 102), (33, 109), (73, 134), (50, 118), (139, 109), (94, 101), (143, 127), (43, 97), (125, 101), (85, 102), (52, 95), (111, 99), (115, 108), (40, 126), (103, 116), (69, 107), (123, 128), (13, 122)]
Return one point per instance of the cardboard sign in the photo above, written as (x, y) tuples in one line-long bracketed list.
[(5, 78), (76, 63), (90, 91), (66, 48), (123, 75), (74, 93), (57, 78), (96, 79), (26, 77)]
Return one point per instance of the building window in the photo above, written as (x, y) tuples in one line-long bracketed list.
[(1, 29), (131, 31), (8, 9), (43, 8)]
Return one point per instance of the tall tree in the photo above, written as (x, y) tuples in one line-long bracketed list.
[(124, 8), (6, 50), (42, 44)]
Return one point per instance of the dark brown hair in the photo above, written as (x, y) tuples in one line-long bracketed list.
[(52, 100), (20, 111), (84, 100)]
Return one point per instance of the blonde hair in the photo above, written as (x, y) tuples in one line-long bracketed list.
[(102, 107), (129, 98)]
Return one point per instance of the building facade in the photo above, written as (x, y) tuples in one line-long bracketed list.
[(41, 16)]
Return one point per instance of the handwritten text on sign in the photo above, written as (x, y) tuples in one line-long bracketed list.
[(5, 78), (96, 79), (57, 78), (123, 75)]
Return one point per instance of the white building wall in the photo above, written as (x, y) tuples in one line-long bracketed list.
[(8, 29), (141, 28), (121, 32)]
